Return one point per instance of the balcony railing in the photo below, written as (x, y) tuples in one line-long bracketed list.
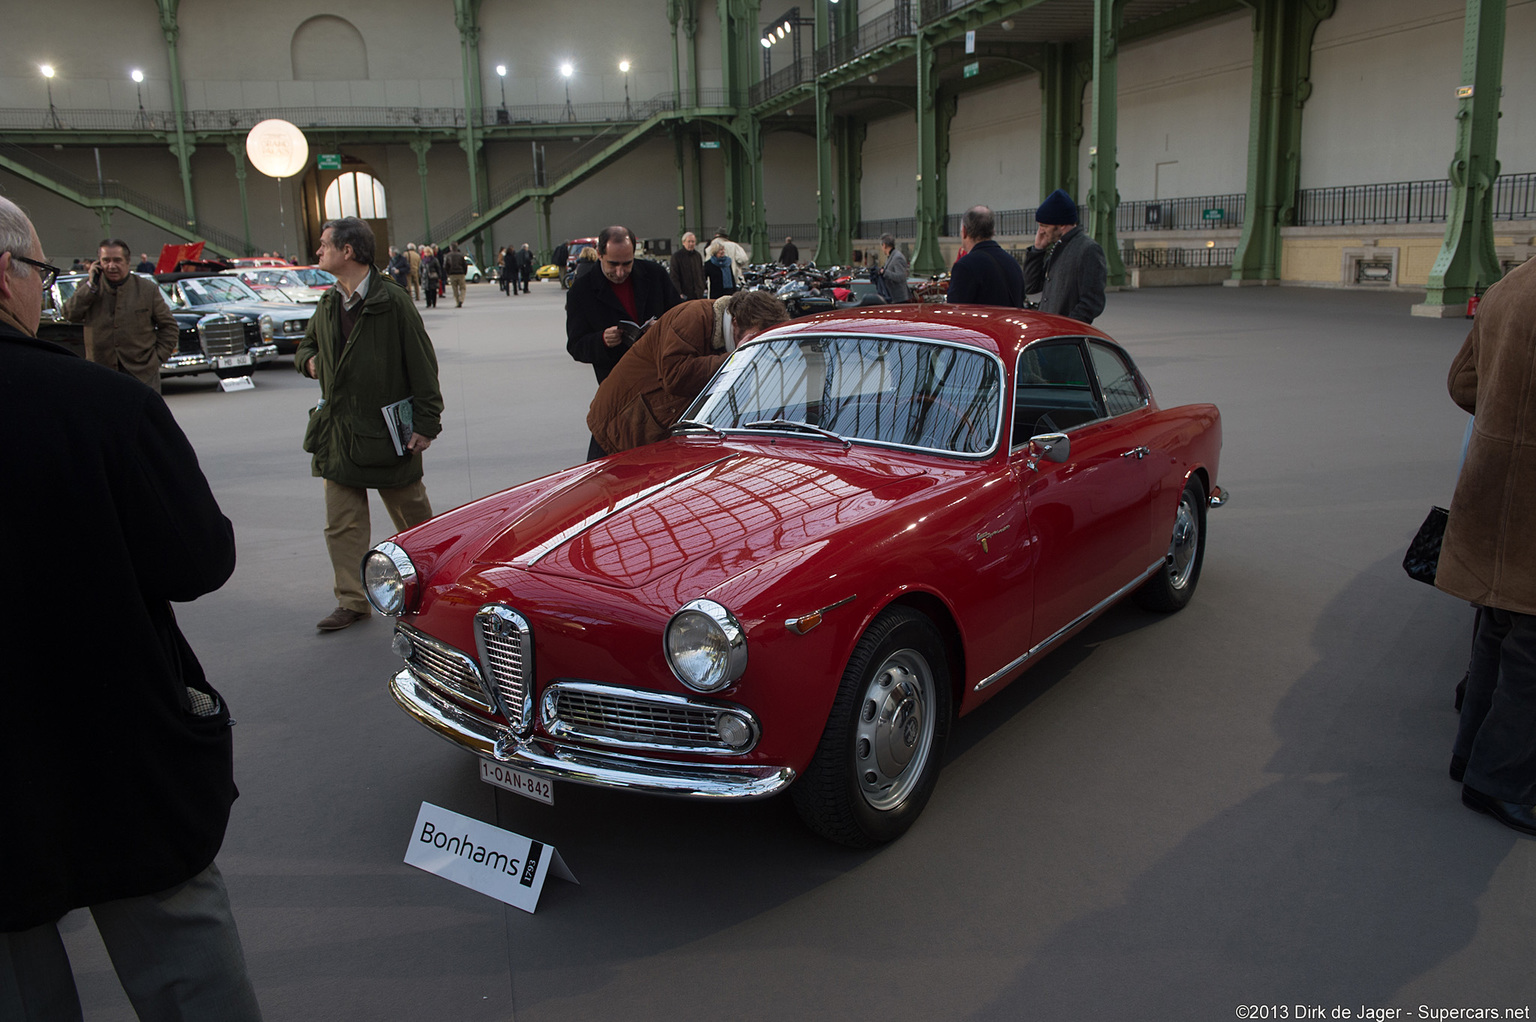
[(1408, 202), (1162, 258), (1193, 213)]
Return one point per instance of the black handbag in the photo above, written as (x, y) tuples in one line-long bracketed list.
[(1423, 555)]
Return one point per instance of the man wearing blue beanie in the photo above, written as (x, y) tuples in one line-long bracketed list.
[(1065, 266)]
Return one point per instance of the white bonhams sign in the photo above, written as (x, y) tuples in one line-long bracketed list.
[(496, 862)]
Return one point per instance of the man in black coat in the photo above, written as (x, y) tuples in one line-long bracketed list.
[(638, 291), (789, 255), (985, 275), (524, 266), (113, 521), (1065, 266)]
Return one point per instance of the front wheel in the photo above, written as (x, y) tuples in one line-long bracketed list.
[(879, 757), (1174, 583)]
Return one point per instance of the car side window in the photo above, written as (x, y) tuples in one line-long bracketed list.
[(1052, 392), (1117, 380)]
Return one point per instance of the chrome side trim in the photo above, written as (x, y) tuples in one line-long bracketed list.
[(584, 766), (1061, 633), (533, 556), (627, 705)]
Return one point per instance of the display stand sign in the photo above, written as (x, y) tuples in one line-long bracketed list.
[(237, 383), (495, 862)]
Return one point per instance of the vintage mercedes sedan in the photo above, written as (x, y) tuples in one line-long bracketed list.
[(868, 524)]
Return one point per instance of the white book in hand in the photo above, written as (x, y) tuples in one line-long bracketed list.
[(397, 417)]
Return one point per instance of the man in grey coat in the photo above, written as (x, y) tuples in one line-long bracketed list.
[(895, 272), (1065, 266)]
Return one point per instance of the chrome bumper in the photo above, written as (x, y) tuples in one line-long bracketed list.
[(1219, 497), (578, 764)]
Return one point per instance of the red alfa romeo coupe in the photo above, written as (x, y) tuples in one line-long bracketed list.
[(867, 525)]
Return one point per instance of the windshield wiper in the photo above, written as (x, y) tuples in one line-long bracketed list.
[(795, 424), (695, 424)]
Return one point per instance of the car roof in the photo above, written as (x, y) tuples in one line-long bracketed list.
[(991, 328)]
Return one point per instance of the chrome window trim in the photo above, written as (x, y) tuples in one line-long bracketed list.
[(506, 620), (767, 337), (418, 637), (557, 728)]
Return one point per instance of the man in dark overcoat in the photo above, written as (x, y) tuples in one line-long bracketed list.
[(127, 816), (636, 290), (128, 325), (985, 275), (1488, 556), (367, 347)]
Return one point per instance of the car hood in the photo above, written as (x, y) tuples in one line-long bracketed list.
[(636, 518), (277, 310)]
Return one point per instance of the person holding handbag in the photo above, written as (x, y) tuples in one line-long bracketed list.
[(1488, 556)]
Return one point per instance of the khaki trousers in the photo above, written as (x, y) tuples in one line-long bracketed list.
[(456, 281), (347, 531), (414, 280)]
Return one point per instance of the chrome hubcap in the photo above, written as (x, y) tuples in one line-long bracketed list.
[(894, 736), (1186, 540)]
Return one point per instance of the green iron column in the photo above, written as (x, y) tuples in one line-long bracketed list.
[(420, 147), (1468, 262), (674, 12), (926, 256), (1103, 194), (237, 150), (1063, 78), (1282, 60), (944, 110), (850, 133), (678, 155), (826, 216), (541, 205), (743, 151), (757, 219), (182, 148), (466, 17)]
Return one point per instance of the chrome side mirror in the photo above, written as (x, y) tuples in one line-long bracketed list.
[(1051, 446)]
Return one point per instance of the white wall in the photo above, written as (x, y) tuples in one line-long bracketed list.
[(890, 168), (994, 147)]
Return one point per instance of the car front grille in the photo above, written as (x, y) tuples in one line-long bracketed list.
[(606, 713), (222, 337), (440, 665), (506, 650)]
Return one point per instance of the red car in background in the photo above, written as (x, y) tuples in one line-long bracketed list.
[(868, 524)]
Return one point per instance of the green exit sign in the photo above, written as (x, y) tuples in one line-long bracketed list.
[(709, 143), (973, 69), (1213, 214), (330, 161)]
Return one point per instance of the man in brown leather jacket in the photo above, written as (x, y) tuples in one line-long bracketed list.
[(128, 326)]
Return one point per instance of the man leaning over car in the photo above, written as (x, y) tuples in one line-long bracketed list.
[(128, 326)]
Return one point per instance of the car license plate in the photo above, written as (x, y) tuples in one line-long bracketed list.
[(537, 788), (230, 361)]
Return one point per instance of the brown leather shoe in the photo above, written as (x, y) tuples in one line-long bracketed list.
[(340, 618)]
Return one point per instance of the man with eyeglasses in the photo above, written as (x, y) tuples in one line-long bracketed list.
[(108, 489), (599, 305), (128, 325)]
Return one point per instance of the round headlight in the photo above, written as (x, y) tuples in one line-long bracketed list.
[(389, 579), (266, 326), (705, 646)]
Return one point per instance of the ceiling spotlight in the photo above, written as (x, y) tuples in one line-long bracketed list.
[(46, 69), (566, 70), (137, 75), (501, 69), (624, 66), (766, 42)]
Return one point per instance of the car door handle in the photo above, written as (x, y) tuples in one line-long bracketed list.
[(1136, 452)]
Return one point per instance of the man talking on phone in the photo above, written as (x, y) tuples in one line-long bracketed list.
[(128, 326)]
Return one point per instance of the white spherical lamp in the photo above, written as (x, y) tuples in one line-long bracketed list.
[(277, 148)]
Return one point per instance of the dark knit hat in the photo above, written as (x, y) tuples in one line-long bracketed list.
[(1058, 208)]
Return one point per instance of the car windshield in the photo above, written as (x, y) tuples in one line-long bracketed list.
[(214, 290), (313, 276), (904, 393)]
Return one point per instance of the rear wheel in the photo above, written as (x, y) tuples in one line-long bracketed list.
[(879, 758), (1174, 583)]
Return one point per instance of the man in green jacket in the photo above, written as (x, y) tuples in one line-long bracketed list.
[(367, 347)]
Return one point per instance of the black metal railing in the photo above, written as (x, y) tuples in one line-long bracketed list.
[(805, 231), (935, 9), (901, 227), (1164, 258), (1191, 213), (112, 190), (1408, 202)]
